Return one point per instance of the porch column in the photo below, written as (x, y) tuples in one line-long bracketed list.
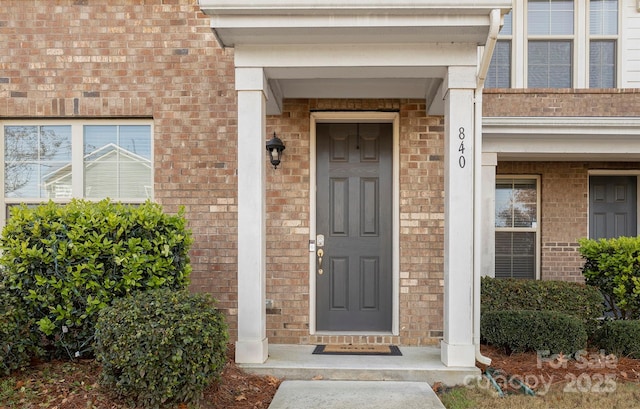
[(457, 346), (488, 222), (252, 344)]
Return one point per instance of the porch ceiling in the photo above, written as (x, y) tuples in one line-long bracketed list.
[(365, 82), (387, 37)]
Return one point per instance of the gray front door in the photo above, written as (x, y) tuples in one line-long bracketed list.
[(354, 201), (612, 206)]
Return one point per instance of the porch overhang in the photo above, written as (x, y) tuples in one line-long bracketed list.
[(349, 22), (562, 139), (299, 29)]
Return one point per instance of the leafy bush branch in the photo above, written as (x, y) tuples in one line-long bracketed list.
[(67, 262)]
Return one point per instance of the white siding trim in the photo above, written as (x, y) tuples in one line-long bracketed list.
[(630, 44)]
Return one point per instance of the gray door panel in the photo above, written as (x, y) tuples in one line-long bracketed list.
[(612, 206), (354, 173)]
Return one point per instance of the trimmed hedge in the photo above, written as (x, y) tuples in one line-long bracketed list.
[(621, 337), (525, 330), (161, 346), (66, 262), (579, 300)]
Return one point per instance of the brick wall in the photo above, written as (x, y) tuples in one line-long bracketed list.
[(139, 59), (561, 102), (421, 224), (564, 208), (564, 185), (158, 59)]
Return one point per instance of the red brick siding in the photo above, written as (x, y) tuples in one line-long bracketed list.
[(421, 224), (564, 185), (561, 102), (158, 59), (139, 59)]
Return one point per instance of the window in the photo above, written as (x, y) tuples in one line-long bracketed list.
[(603, 31), (517, 227), (499, 74), (558, 44), (550, 43), (59, 160), (117, 161), (31, 155)]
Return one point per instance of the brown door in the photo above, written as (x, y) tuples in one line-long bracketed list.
[(354, 202), (612, 206)]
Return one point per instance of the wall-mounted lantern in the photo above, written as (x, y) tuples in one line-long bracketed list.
[(275, 148)]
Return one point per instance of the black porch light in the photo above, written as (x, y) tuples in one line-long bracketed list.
[(275, 148)]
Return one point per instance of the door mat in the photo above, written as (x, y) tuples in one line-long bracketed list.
[(388, 350)]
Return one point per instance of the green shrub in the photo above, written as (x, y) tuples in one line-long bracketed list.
[(620, 337), (613, 265), (161, 346), (68, 262), (579, 300), (17, 342), (526, 330)]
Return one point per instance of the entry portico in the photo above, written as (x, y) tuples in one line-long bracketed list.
[(431, 50)]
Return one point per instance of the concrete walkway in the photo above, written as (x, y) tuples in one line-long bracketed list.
[(354, 395)]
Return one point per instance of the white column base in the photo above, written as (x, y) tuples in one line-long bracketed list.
[(458, 355), (252, 352)]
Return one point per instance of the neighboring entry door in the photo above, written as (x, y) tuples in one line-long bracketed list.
[(354, 202), (612, 206)]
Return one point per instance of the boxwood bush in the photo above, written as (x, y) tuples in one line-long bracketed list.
[(579, 300), (620, 337), (161, 346), (66, 262), (526, 330)]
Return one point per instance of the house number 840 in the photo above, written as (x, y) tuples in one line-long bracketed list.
[(462, 161)]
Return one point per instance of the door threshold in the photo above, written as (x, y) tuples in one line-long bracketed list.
[(354, 333)]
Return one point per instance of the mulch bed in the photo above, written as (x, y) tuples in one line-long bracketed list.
[(240, 390), (592, 368), (74, 385), (64, 385)]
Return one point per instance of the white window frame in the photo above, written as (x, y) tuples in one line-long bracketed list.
[(581, 39), (600, 37), (537, 230), (77, 159)]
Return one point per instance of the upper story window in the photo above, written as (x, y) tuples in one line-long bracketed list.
[(499, 74), (59, 160), (550, 43), (557, 44), (603, 33)]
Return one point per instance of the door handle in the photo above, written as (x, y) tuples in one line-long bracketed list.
[(320, 255)]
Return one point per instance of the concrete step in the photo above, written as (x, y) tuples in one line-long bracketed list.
[(417, 364)]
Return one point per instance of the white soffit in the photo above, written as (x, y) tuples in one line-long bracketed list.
[(562, 138), (350, 21)]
